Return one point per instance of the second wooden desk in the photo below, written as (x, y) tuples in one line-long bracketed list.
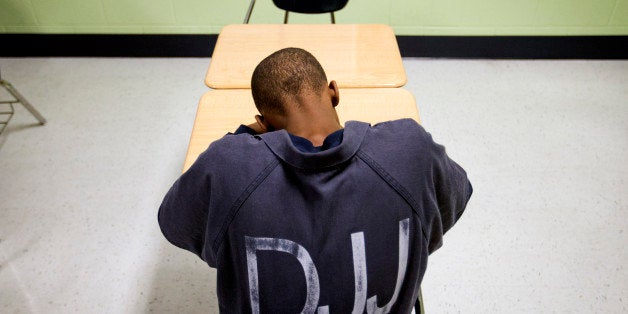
[(356, 56)]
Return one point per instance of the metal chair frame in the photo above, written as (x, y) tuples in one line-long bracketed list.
[(18, 99)]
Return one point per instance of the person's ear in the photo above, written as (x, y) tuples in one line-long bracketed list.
[(261, 123), (335, 93)]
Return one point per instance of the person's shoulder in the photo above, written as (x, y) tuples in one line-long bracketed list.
[(399, 129), (403, 137), (405, 124), (235, 147), (243, 140)]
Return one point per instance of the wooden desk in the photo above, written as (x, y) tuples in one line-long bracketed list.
[(356, 56), (222, 111)]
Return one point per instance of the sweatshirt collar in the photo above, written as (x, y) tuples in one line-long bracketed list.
[(281, 145)]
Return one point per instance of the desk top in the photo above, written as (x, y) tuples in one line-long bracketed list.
[(222, 111), (356, 56)]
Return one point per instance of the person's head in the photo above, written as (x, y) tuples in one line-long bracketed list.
[(286, 77)]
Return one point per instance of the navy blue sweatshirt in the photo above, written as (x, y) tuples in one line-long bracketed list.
[(347, 229)]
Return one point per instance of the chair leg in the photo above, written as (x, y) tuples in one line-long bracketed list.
[(285, 18), (248, 13), (333, 18), (421, 305), (23, 101)]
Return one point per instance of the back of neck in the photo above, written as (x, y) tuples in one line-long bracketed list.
[(313, 127)]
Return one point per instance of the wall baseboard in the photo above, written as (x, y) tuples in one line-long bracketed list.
[(515, 47), (457, 47), (92, 45)]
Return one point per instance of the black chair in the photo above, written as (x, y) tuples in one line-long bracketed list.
[(304, 6)]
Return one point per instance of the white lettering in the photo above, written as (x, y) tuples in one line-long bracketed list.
[(359, 272), (282, 245), (404, 236), (311, 275)]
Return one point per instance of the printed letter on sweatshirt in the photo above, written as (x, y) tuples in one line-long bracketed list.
[(404, 236), (359, 272), (271, 244)]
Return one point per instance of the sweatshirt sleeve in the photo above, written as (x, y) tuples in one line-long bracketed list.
[(452, 190), (183, 214)]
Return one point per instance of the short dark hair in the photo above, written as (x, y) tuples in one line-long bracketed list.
[(284, 74)]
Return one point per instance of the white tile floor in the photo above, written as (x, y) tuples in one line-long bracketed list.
[(545, 144)]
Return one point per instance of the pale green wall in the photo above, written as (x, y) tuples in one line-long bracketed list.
[(407, 17)]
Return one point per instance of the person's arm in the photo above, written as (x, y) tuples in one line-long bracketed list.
[(183, 213), (452, 190)]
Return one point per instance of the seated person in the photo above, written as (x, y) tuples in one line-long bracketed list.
[(299, 214)]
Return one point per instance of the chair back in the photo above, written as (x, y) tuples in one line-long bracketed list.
[(310, 6)]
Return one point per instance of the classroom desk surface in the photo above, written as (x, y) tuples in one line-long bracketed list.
[(222, 111), (356, 56)]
